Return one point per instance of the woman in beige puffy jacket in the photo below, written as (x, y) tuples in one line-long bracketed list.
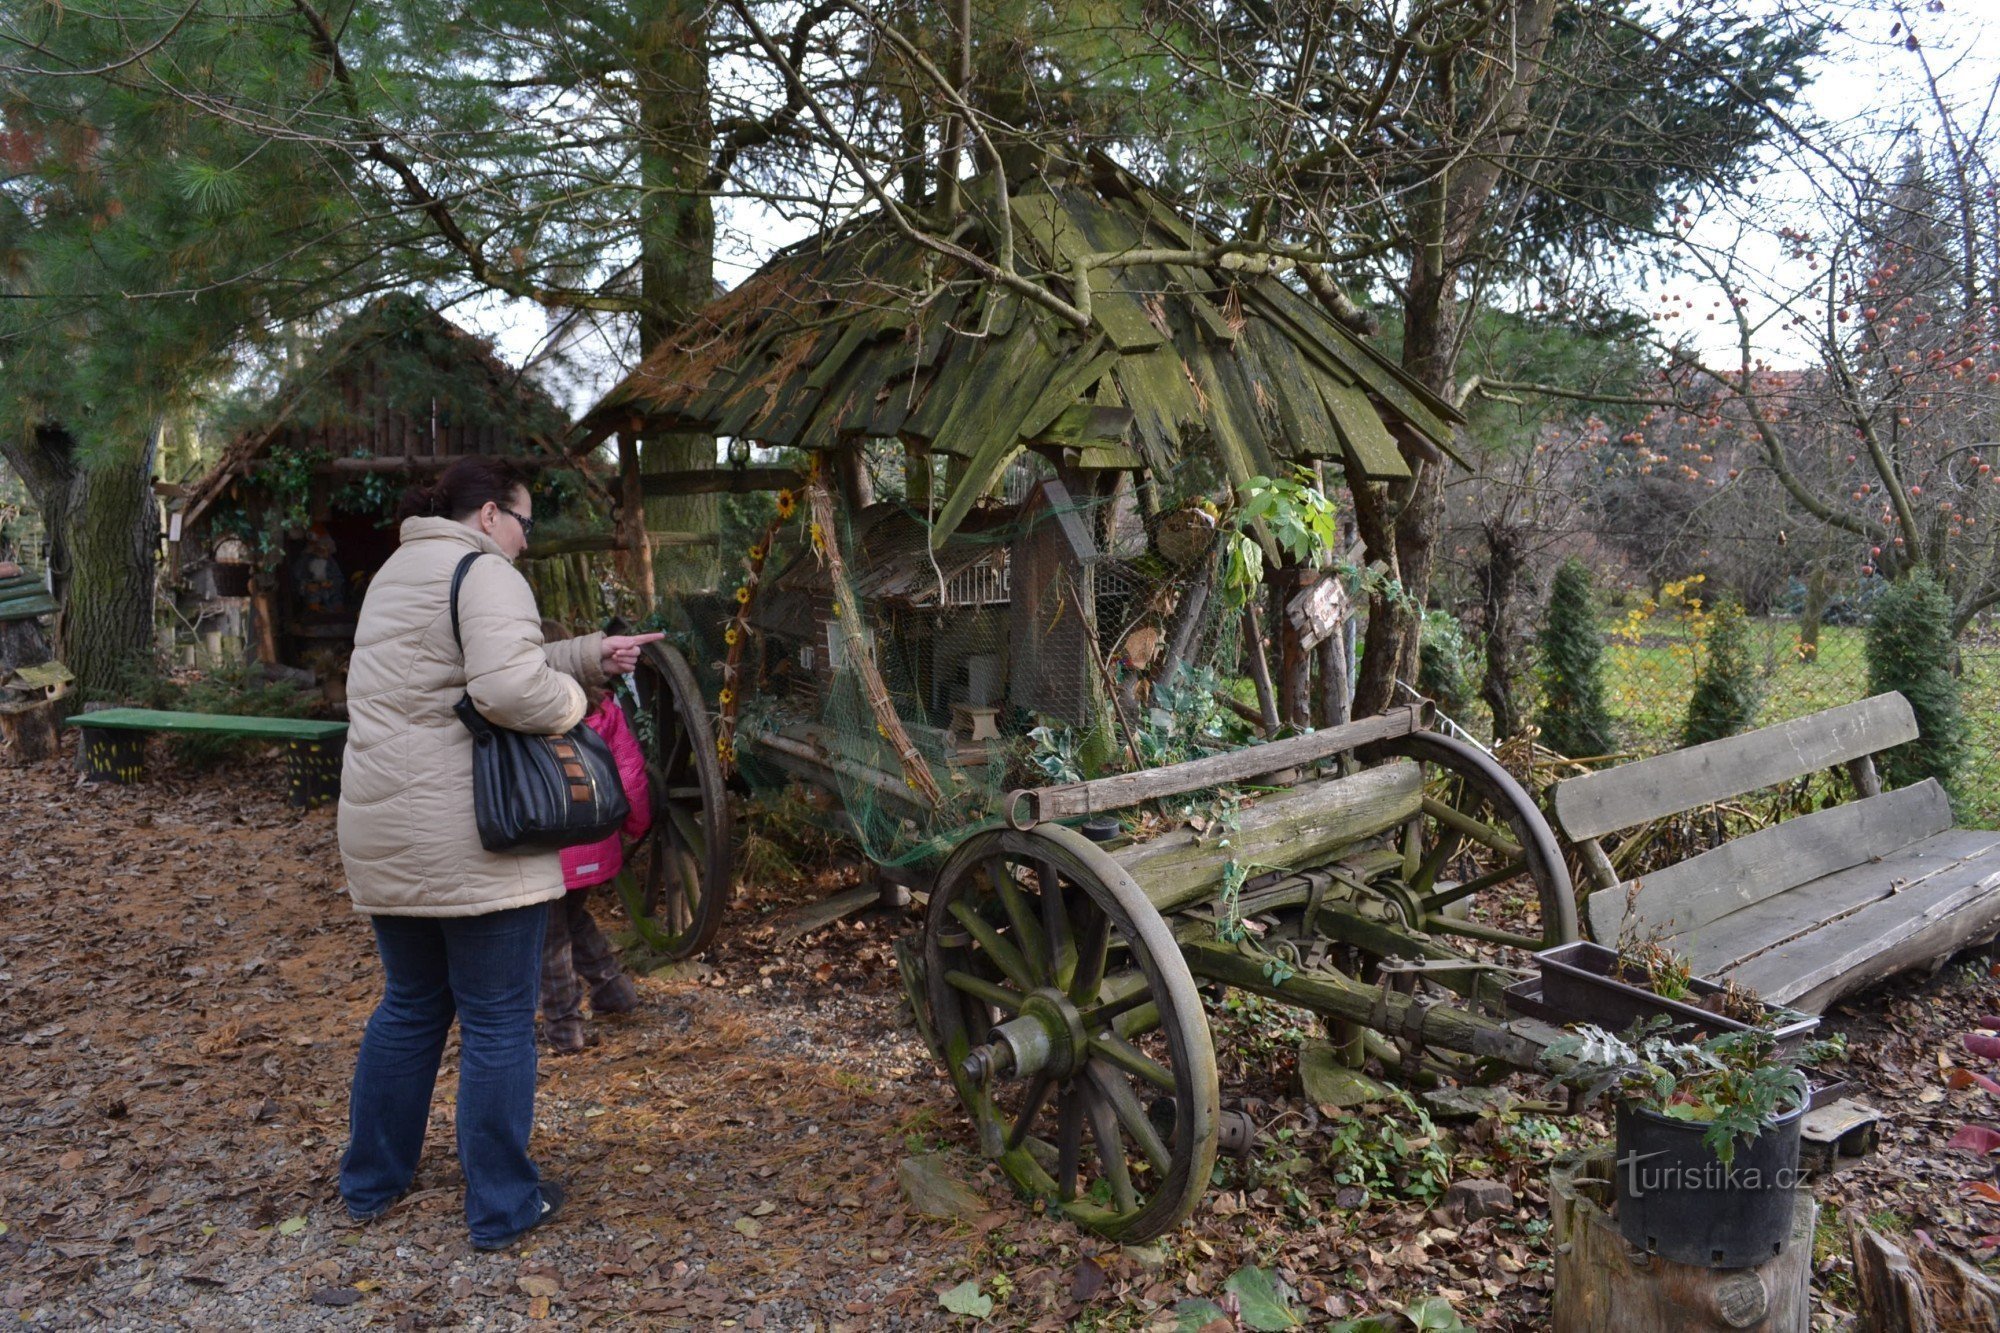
[(459, 928)]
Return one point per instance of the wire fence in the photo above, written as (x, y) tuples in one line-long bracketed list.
[(1651, 662)]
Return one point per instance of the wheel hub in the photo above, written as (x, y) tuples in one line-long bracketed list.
[(1046, 1037)]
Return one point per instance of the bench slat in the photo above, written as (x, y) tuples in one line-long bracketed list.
[(1685, 897), (1882, 938), (1649, 789), (1741, 936), (215, 724)]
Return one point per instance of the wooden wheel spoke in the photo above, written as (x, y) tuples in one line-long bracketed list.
[(1432, 902), (1004, 955), (1478, 830), (1019, 916), (1475, 930), (1038, 1093), (1061, 942), (1132, 1060), (1125, 1103), (1100, 1016), (1069, 1140), (981, 989), (1427, 873), (1093, 949), (1111, 1152)]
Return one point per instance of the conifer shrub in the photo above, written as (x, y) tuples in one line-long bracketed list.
[(1445, 662), (1573, 718), (1909, 650), (1725, 690)]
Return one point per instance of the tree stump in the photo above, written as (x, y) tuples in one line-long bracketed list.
[(28, 730), (1602, 1282), (22, 643), (1928, 1294)]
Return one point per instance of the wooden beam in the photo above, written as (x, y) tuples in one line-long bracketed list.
[(723, 480), (638, 551), (595, 542), (1034, 805), (1294, 830), (439, 462)]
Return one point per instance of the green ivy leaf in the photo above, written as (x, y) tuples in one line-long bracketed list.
[(967, 1299), (1264, 1305)]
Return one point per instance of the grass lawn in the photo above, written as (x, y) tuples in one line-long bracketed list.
[(1648, 683)]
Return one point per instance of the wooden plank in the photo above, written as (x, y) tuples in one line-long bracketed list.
[(1080, 370), (220, 724), (1742, 935), (1632, 794), (1293, 831), (1362, 431), (999, 388), (722, 479), (1058, 233), (1129, 789), (1683, 898), (1910, 927)]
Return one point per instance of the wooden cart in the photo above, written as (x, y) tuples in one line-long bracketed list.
[(1046, 571)]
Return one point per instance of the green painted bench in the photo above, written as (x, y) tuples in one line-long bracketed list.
[(1811, 908), (114, 745)]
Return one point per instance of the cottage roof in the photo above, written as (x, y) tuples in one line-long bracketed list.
[(862, 332), (395, 380)]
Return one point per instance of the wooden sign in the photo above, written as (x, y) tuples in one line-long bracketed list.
[(1317, 612)]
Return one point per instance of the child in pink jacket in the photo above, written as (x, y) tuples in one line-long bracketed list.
[(573, 947)]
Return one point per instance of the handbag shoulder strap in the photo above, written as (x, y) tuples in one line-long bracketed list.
[(458, 577)]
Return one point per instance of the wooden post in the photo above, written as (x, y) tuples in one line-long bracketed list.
[(1260, 666), (1602, 1282), (1294, 663), (917, 475), (264, 606), (860, 656), (636, 557)]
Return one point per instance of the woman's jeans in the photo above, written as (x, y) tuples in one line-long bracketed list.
[(483, 970)]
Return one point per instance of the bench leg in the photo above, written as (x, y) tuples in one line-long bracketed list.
[(313, 768), (113, 756)]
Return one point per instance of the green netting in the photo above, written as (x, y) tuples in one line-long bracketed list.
[(1055, 636)]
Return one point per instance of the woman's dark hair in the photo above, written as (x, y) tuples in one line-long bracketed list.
[(464, 487)]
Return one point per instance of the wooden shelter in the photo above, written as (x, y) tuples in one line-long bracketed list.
[(864, 334), (299, 512), (1089, 351)]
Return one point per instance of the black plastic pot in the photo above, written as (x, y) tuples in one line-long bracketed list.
[(1677, 1200)]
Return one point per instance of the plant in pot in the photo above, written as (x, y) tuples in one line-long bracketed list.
[(1707, 1136)]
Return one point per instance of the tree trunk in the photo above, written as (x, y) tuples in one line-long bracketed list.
[(103, 527), (1602, 1282), (1499, 589), (1448, 220), (676, 260), (1818, 594)]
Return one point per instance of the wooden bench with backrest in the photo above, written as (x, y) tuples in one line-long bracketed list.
[(113, 746), (1808, 909)]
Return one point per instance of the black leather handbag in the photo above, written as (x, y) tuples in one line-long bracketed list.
[(537, 791)]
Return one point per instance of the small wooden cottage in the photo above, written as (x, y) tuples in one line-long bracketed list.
[(1047, 403), (277, 542)]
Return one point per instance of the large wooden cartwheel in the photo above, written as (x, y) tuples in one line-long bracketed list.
[(1481, 849), (1072, 1029), (681, 882)]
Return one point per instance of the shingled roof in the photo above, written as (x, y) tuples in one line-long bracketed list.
[(862, 332)]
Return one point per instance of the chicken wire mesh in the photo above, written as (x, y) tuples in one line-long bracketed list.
[(1054, 635)]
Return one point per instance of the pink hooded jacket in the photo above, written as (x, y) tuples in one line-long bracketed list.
[(598, 862)]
